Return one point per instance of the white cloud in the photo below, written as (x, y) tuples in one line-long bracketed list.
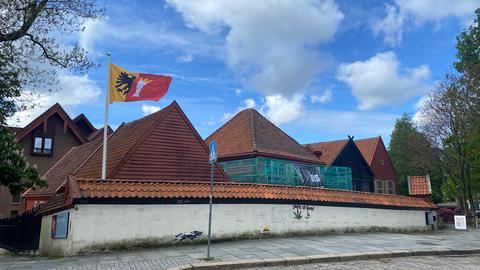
[(71, 91), (227, 116), (238, 91), (338, 124), (149, 109), (380, 81), (281, 110), (325, 97), (268, 42), (249, 103), (187, 58), (391, 26), (418, 12), (144, 35)]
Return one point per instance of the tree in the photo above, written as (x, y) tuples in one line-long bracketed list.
[(33, 45), (412, 154), (468, 47), (448, 118), (15, 172)]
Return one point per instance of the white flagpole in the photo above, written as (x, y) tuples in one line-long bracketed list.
[(105, 124)]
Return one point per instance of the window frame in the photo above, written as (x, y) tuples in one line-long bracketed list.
[(42, 149), (379, 186), (19, 199), (390, 187)]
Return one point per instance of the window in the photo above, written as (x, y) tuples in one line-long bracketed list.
[(42, 146), (16, 198), (380, 186), (382, 162), (13, 213), (390, 189)]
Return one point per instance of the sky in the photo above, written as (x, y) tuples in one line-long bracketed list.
[(320, 70)]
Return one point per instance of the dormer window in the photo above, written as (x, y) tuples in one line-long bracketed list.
[(42, 146)]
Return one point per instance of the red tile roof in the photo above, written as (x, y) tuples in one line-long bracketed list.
[(250, 134), (163, 146), (68, 164), (99, 134), (419, 185), (327, 151), (367, 147), (122, 189)]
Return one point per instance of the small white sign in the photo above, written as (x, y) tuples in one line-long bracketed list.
[(213, 152), (460, 222)]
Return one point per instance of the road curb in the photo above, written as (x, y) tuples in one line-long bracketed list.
[(324, 258)]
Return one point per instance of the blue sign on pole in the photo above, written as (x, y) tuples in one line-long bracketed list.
[(213, 151)]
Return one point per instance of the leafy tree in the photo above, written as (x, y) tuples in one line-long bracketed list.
[(15, 172), (34, 43), (468, 47), (399, 150), (412, 154)]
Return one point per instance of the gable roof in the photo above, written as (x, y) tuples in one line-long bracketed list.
[(327, 152), (55, 109), (97, 134), (250, 134), (135, 189), (161, 146), (68, 164), (367, 147)]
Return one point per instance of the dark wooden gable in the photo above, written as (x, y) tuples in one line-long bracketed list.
[(362, 175)]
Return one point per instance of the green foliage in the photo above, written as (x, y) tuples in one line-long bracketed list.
[(15, 172), (412, 154), (468, 47)]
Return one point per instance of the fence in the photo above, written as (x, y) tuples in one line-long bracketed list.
[(21, 233)]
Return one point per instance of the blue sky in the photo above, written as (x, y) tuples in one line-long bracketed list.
[(320, 70)]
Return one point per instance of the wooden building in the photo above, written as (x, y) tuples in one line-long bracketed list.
[(376, 155), (345, 153), (44, 141)]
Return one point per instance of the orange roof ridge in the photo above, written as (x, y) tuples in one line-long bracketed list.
[(250, 134), (329, 149)]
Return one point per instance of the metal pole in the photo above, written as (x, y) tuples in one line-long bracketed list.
[(105, 124), (210, 211)]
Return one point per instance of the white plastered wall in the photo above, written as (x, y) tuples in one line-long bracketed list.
[(104, 224)]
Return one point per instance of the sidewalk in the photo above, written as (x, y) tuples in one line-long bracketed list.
[(161, 258)]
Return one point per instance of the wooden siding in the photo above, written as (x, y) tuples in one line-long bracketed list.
[(361, 173)]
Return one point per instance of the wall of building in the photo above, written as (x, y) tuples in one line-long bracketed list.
[(62, 143), (383, 171), (362, 178), (105, 225), (7, 206)]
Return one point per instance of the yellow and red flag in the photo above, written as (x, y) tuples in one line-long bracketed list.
[(126, 86)]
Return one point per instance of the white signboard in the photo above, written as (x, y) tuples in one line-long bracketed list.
[(460, 222)]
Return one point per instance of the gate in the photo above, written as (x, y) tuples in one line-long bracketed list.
[(21, 233)]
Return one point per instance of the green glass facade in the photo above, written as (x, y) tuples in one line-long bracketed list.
[(283, 172)]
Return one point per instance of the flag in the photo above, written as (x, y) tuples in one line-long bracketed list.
[(127, 86)]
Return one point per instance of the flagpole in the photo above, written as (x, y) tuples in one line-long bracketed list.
[(105, 124)]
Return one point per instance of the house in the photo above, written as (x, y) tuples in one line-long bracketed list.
[(158, 186), (44, 141), (252, 149), (376, 155), (345, 153)]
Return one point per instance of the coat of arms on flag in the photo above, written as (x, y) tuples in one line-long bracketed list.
[(126, 86)]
